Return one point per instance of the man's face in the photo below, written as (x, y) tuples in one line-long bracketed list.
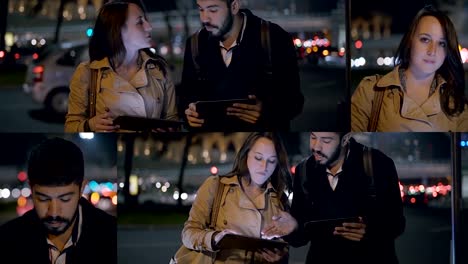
[(216, 17), (56, 206), (325, 147)]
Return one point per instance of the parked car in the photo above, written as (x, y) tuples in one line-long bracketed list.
[(48, 77)]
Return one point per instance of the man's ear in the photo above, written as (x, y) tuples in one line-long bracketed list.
[(235, 7), (83, 184), (345, 139)]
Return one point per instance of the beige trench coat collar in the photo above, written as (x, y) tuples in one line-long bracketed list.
[(411, 109), (140, 79), (259, 203)]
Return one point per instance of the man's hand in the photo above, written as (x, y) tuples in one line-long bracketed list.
[(351, 231), (282, 224), (192, 116), (246, 112), (274, 255)]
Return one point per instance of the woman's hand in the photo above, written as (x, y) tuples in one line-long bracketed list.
[(103, 122), (282, 224), (193, 116)]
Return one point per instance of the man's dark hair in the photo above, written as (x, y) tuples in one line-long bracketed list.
[(56, 162), (228, 2)]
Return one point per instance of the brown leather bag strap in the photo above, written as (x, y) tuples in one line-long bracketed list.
[(195, 52), (369, 170), (216, 204), (376, 106), (92, 93), (266, 44)]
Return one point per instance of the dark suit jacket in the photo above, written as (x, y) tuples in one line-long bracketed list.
[(314, 199), (24, 241)]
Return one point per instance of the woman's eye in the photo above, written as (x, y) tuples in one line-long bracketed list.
[(424, 40), (258, 158), (443, 44)]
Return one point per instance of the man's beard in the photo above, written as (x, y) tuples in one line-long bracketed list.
[(57, 230), (225, 27), (329, 159)]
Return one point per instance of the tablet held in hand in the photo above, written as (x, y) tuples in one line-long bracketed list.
[(217, 108), (231, 241), (328, 225)]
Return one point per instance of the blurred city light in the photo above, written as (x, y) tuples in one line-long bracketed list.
[(89, 32), (86, 135), (358, 44), (26, 192), (22, 201), (214, 170), (15, 193), (94, 186), (133, 184), (5, 193), (293, 169), (22, 176), (95, 198)]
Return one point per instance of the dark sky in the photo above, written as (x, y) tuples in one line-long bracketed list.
[(402, 11), (15, 148)]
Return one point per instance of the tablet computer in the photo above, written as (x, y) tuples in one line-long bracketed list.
[(218, 108), (231, 241), (138, 123), (329, 224)]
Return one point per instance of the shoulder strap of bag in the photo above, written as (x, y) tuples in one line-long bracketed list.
[(266, 44), (92, 93), (376, 106), (195, 52), (216, 204), (303, 175), (369, 170)]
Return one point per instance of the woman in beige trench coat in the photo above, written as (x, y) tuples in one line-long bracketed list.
[(254, 192), (425, 91), (130, 80)]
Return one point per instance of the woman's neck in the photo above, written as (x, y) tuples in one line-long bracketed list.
[(419, 78), (131, 59), (251, 186)]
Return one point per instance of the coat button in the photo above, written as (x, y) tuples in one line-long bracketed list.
[(231, 190)]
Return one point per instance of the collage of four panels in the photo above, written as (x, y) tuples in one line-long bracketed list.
[(233, 131)]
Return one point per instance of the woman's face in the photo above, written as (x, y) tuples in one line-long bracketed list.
[(261, 161), (136, 34), (428, 47)]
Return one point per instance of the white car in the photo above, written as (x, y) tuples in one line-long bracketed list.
[(48, 77)]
